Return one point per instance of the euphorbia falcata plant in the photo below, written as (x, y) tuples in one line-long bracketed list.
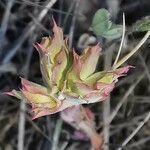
[(71, 79)]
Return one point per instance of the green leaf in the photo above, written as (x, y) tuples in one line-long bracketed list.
[(103, 26), (90, 58), (113, 33), (95, 77), (142, 25), (101, 21), (107, 78)]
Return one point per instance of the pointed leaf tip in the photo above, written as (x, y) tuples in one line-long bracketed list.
[(33, 87), (9, 93), (89, 60), (15, 93), (40, 48)]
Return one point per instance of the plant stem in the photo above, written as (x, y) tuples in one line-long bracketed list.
[(122, 40), (124, 59), (106, 104), (56, 134)]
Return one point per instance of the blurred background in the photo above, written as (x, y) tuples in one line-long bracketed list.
[(24, 22)]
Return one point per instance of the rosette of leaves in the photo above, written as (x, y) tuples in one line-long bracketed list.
[(71, 79)]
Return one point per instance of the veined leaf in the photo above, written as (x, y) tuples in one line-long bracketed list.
[(101, 21), (103, 26), (113, 33)]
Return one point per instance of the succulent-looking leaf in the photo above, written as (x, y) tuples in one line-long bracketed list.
[(57, 42), (53, 58), (95, 77), (105, 88), (35, 88), (17, 94), (82, 89), (39, 100), (90, 58), (58, 70)]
